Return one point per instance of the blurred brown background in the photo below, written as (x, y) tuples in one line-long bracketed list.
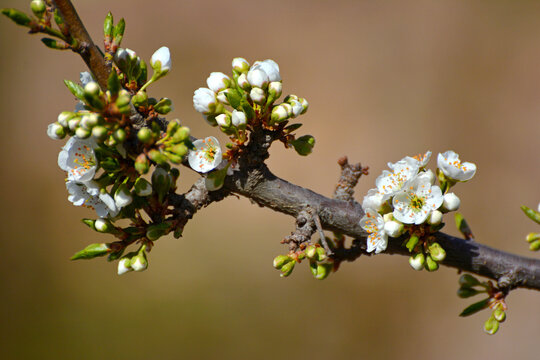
[(384, 80)]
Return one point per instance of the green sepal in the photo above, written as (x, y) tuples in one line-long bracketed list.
[(234, 98), (92, 251), (75, 89), (90, 223), (115, 255), (113, 83), (55, 44), (248, 110), (474, 308), (108, 26), (110, 164), (143, 76), (17, 16), (531, 214)]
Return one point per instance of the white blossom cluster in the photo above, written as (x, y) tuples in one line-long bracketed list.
[(406, 194)]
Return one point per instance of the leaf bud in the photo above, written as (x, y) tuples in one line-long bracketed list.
[(304, 145), (17, 16)]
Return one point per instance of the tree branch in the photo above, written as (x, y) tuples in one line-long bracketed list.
[(256, 182)]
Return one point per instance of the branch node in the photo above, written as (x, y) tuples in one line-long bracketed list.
[(350, 174)]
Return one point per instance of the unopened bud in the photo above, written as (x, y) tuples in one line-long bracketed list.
[(140, 99), (179, 150), (99, 133), (393, 228), (38, 7), (157, 156), (124, 266), (142, 165), (257, 95), (311, 252), (287, 269), (145, 135), (435, 217), (279, 114), (491, 326), (240, 65), (305, 105), (142, 187), (451, 202), (122, 196), (223, 120), (238, 119), (181, 134), (281, 260), (532, 237), (417, 261), (431, 265), (321, 271), (164, 106), (120, 135), (499, 315), (535, 245), (437, 252), (275, 88), (243, 82), (103, 225), (304, 145), (56, 131), (82, 133)]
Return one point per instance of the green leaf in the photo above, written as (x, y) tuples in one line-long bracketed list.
[(118, 32), (92, 251), (75, 89), (466, 292), (108, 25), (234, 98), (293, 127), (474, 308), (250, 113), (55, 44), (113, 83), (531, 214), (463, 226), (115, 255), (17, 16)]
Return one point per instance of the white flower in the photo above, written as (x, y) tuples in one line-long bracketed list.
[(124, 266), (390, 182), (373, 223), (373, 200), (161, 60), (204, 101), (56, 131), (257, 95), (280, 113), (206, 156), (238, 118), (223, 120), (413, 204), (428, 174), (270, 67), (218, 81), (451, 202), (77, 157), (257, 77), (88, 194), (453, 168), (240, 64), (422, 159)]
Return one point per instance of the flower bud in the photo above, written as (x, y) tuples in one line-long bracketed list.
[(257, 95), (451, 202), (56, 131), (92, 89), (124, 266), (142, 165), (499, 315), (238, 119), (321, 254), (393, 228), (161, 182), (321, 271), (532, 237), (296, 108), (164, 106), (431, 265), (281, 260), (82, 133), (258, 78), (103, 225), (287, 268), (437, 252), (73, 123), (205, 101), (122, 196), (305, 105), (491, 326), (275, 88), (161, 62), (92, 251), (311, 252), (142, 187), (181, 134), (145, 135), (120, 135), (64, 116), (535, 245), (240, 65), (279, 114), (157, 156), (140, 99), (218, 81), (435, 217), (270, 67), (38, 7), (223, 120), (222, 96), (304, 145), (243, 82), (417, 261)]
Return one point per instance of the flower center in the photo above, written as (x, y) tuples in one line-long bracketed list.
[(417, 202)]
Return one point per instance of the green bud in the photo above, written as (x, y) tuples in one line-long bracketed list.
[(281, 260), (38, 7), (181, 134), (164, 106), (161, 182), (431, 265), (90, 223), (287, 268), (311, 252), (532, 237), (142, 187), (143, 76), (145, 135), (467, 280), (120, 135), (417, 261), (92, 89), (321, 254), (491, 326), (322, 271), (180, 150), (535, 245), (531, 214), (55, 44), (118, 32), (173, 126), (412, 242), (499, 315), (91, 251), (99, 133), (142, 165), (157, 157), (123, 99), (56, 131), (437, 252), (113, 83), (173, 157), (108, 26), (304, 145), (466, 292), (17, 16)]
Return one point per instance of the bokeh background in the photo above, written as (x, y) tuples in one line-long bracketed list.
[(384, 80)]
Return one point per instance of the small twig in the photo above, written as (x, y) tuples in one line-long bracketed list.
[(350, 174), (317, 220)]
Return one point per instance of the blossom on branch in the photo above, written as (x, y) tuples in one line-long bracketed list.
[(206, 156)]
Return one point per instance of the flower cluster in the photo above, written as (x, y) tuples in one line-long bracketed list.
[(407, 200)]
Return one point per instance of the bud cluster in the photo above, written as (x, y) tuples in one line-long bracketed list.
[(408, 201), (319, 263), (247, 101), (471, 286), (533, 238)]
